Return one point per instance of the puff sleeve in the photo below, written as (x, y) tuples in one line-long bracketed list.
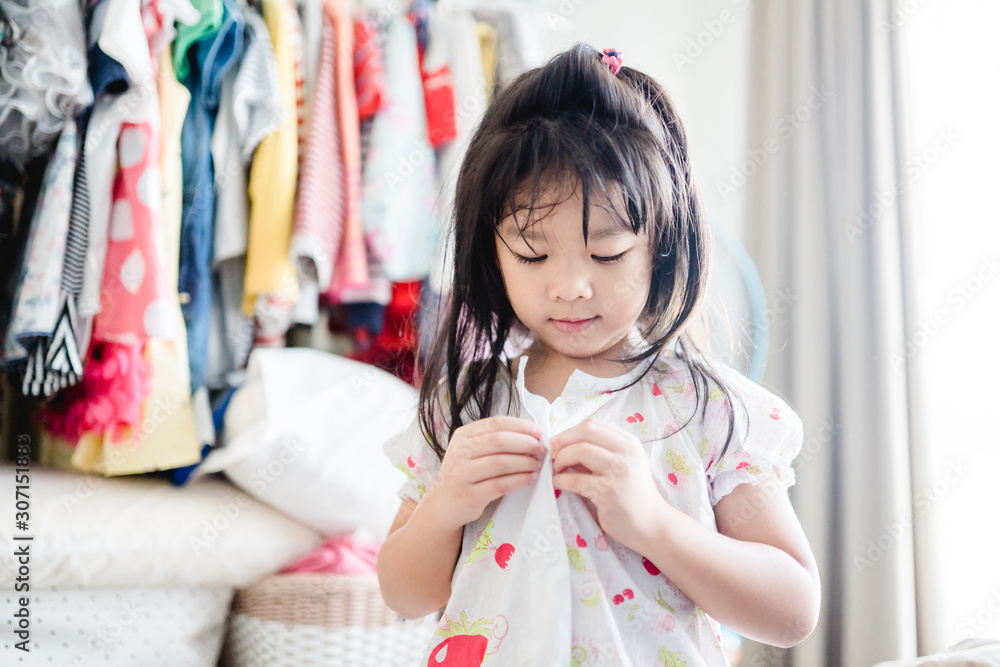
[(766, 439), (410, 452)]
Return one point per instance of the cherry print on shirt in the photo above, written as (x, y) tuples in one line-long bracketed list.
[(620, 599), (580, 542), (648, 564), (677, 465), (634, 418), (775, 414), (656, 390), (501, 554)]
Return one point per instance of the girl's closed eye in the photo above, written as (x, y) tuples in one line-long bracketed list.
[(528, 260), (602, 260), (609, 260)]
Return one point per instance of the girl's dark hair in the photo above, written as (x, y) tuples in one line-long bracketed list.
[(571, 120)]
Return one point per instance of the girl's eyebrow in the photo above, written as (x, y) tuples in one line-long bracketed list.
[(592, 234)]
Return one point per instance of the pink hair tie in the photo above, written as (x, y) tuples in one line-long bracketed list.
[(613, 59)]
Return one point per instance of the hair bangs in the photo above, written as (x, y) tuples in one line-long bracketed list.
[(549, 160)]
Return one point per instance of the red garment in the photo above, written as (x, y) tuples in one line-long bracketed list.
[(439, 98), (108, 399), (369, 70), (394, 348)]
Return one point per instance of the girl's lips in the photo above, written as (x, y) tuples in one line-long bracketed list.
[(569, 326)]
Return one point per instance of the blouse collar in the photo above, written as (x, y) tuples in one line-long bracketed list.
[(580, 382)]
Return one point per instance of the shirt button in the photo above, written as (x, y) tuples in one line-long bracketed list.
[(184, 298)]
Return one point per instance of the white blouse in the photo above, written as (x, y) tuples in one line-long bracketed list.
[(539, 582)]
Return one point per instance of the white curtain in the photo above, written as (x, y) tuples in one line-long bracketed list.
[(824, 227)]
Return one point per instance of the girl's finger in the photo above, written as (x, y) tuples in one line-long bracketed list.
[(501, 486), (504, 442), (505, 423), (498, 465), (596, 459), (582, 484), (592, 431)]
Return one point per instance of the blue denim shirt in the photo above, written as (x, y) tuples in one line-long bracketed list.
[(210, 58)]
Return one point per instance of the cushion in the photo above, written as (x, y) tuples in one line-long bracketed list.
[(304, 433), (152, 627), (142, 531)]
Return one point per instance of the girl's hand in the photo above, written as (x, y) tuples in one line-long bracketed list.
[(609, 467), (486, 459)]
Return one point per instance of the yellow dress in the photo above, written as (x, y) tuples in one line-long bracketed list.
[(273, 175)]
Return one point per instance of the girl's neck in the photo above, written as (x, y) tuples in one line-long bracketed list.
[(547, 373)]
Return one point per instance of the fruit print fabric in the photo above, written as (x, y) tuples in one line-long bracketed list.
[(619, 606)]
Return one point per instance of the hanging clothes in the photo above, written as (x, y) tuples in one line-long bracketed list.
[(210, 59), (399, 188), (465, 60), (210, 13), (369, 70), (435, 74), (39, 300), (167, 13), (118, 99), (124, 222), (134, 377), (518, 45), (351, 266), (271, 286), (44, 78), (249, 110), (489, 54), (311, 15), (321, 205)]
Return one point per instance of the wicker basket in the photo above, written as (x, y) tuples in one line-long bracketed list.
[(320, 619)]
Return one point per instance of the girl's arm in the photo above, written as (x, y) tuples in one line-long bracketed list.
[(756, 575), (417, 560), (486, 459)]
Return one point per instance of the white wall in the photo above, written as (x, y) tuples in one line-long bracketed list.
[(698, 51)]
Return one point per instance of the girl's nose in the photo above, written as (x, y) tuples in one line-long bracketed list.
[(570, 287)]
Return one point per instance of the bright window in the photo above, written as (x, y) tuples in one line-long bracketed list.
[(951, 64)]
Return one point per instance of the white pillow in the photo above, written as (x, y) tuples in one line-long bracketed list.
[(304, 434), (139, 530)]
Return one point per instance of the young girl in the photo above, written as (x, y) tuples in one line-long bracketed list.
[(581, 492)]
